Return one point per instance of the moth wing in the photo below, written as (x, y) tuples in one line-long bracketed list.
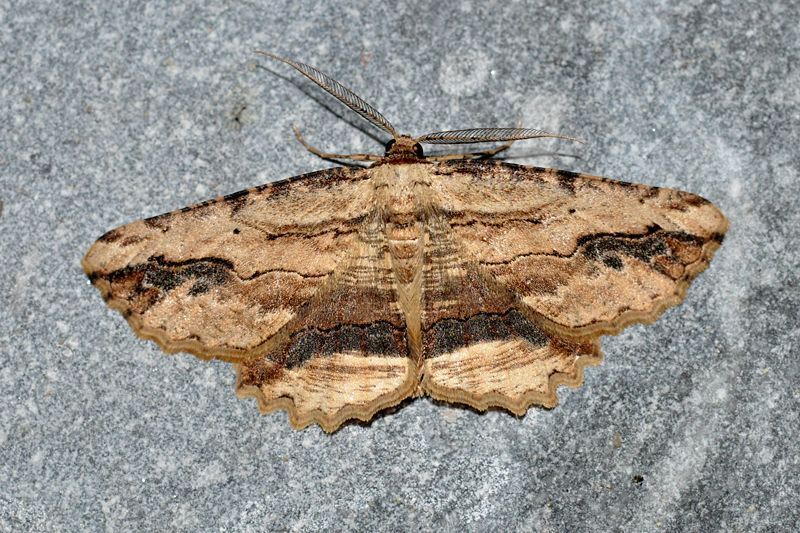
[(589, 254), (480, 348), (346, 354), (220, 278)]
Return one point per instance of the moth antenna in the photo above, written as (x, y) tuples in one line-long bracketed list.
[(340, 92), (481, 135)]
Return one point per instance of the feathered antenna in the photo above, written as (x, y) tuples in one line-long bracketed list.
[(480, 135), (369, 113), (340, 92)]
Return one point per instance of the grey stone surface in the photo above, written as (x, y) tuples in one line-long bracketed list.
[(110, 112)]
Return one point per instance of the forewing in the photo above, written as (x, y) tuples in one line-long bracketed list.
[(589, 254), (220, 278), (480, 348), (345, 355)]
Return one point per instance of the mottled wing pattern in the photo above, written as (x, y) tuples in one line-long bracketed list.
[(480, 348), (346, 355), (589, 254), (221, 278), (522, 269)]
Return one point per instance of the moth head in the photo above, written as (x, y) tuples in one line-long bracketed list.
[(404, 146)]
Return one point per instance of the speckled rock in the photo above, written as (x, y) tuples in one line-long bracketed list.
[(111, 113)]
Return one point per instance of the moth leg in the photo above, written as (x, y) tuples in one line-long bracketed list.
[(472, 155), (326, 155)]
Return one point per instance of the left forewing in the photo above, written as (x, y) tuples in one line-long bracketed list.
[(590, 255)]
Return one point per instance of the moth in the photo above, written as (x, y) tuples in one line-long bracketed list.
[(340, 293)]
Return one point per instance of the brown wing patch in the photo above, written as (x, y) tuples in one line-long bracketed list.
[(590, 254), (219, 278)]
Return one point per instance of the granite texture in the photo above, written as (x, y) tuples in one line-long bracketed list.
[(110, 112)]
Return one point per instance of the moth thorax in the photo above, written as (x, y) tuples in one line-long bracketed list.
[(405, 245)]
